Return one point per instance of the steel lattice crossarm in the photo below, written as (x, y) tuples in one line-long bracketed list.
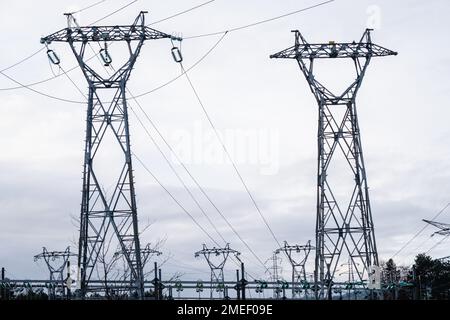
[(217, 251), (53, 255), (362, 49), (135, 32), (444, 227), (297, 248)]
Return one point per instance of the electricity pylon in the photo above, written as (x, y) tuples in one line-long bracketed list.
[(56, 261), (216, 259), (297, 255), (113, 215), (344, 225), (275, 271)]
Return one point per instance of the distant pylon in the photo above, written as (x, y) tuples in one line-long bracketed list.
[(298, 256), (343, 227), (216, 259), (56, 261)]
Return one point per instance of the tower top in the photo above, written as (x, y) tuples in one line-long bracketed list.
[(137, 31), (362, 49)]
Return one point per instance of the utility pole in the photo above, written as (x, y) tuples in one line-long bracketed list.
[(216, 259), (344, 226), (297, 255), (55, 261), (104, 214)]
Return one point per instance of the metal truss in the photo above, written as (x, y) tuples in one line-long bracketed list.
[(216, 259), (297, 255), (56, 261), (341, 226), (444, 227), (105, 216)]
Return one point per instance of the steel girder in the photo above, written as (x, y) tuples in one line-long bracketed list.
[(341, 227)]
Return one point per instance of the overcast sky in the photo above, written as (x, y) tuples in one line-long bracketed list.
[(263, 108)]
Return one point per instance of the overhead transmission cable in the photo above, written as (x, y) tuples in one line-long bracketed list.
[(174, 170), (41, 49), (259, 22), (182, 12), (162, 186), (88, 7), (46, 94), (421, 230), (114, 12), (189, 173), (176, 78), (136, 96), (438, 243), (200, 102), (192, 177)]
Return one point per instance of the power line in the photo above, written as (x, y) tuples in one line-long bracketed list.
[(195, 181), (162, 153), (182, 12), (23, 60), (88, 7), (175, 200), (261, 21), (187, 70), (40, 50), (438, 243), (176, 173), (168, 82), (114, 12), (187, 170), (28, 86), (39, 92), (420, 231), (200, 102)]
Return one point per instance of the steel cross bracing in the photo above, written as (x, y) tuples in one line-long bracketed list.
[(108, 215), (216, 259), (341, 226), (56, 261), (444, 227), (297, 255)]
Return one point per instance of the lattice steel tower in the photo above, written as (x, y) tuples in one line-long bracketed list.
[(298, 256), (106, 215), (216, 259), (343, 227), (56, 261)]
